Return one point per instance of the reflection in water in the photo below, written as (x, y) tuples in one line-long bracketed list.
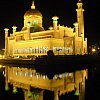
[(24, 73), (31, 73)]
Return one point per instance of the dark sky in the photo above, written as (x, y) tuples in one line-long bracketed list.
[(12, 12)]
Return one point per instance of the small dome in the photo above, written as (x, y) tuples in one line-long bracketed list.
[(33, 12)]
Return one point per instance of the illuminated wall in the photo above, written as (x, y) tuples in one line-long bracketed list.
[(34, 40)]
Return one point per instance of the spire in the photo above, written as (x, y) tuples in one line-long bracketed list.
[(79, 1), (79, 4), (33, 6)]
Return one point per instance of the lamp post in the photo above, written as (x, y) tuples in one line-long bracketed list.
[(93, 50)]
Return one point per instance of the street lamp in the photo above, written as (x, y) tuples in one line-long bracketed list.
[(93, 50)]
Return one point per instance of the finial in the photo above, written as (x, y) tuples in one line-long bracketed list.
[(33, 6), (79, 1)]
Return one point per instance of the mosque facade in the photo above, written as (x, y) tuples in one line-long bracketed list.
[(34, 40)]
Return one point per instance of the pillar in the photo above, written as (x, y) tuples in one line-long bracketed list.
[(40, 95), (56, 97), (6, 78), (26, 95), (76, 82), (6, 42), (82, 85), (77, 91), (28, 34), (14, 30), (82, 90), (74, 45), (55, 22), (76, 28)]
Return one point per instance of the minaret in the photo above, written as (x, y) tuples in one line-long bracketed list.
[(80, 18), (6, 41), (55, 18)]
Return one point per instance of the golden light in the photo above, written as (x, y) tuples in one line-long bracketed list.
[(0, 66), (1, 56), (93, 50)]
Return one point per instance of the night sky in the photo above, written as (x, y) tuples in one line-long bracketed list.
[(12, 12)]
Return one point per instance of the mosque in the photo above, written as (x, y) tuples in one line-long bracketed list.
[(34, 40)]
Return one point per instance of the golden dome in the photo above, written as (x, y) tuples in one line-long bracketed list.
[(33, 12)]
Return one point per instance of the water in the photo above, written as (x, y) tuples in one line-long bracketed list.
[(92, 89)]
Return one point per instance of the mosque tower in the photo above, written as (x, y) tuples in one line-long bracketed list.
[(80, 18)]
